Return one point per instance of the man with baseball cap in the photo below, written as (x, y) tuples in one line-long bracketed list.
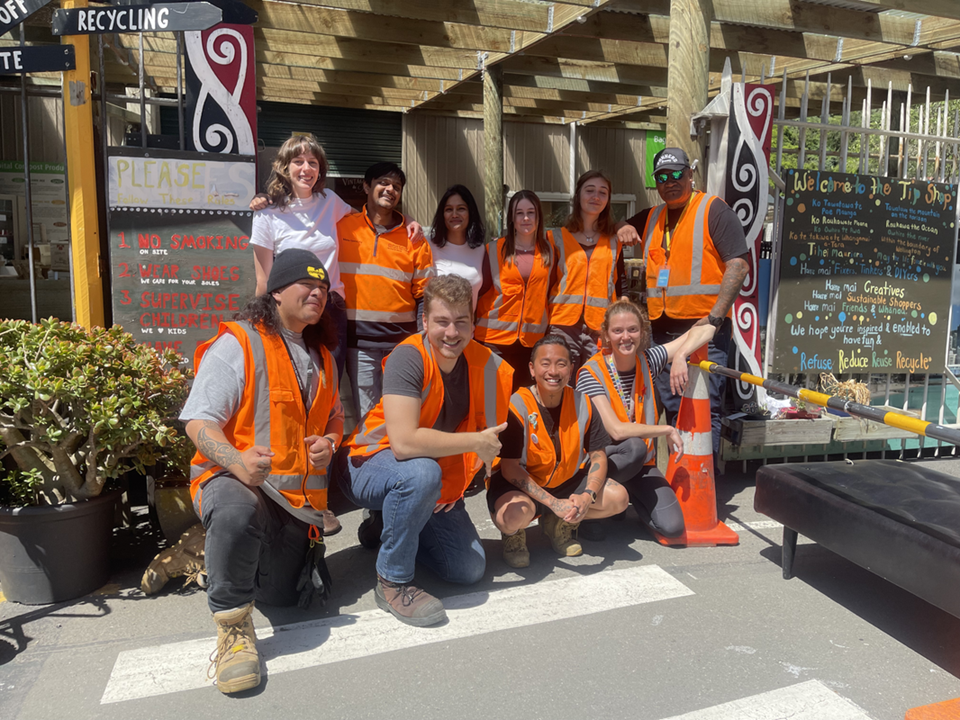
[(696, 262), (265, 415)]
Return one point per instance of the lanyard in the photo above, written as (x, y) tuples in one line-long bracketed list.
[(618, 384), (666, 224)]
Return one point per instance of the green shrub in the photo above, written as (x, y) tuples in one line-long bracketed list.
[(79, 406)]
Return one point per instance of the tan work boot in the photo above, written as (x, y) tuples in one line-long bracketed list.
[(515, 553), (237, 663), (560, 534), (184, 558), (409, 604)]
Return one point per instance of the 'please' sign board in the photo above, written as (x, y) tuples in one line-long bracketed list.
[(866, 267)]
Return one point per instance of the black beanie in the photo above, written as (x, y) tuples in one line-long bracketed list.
[(293, 265)]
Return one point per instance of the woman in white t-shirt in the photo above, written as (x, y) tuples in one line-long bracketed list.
[(458, 237), (302, 214)]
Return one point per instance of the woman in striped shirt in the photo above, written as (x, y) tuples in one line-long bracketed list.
[(619, 381)]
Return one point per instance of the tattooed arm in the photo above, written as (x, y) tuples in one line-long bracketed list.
[(733, 277), (251, 466), (514, 473), (596, 479)]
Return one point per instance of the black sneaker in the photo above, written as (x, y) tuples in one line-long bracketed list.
[(370, 530)]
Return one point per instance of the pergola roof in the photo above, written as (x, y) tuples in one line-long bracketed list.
[(584, 60)]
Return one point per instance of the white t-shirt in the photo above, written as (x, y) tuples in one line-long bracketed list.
[(307, 224), (462, 260)]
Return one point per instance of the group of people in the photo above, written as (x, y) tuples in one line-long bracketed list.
[(519, 362)]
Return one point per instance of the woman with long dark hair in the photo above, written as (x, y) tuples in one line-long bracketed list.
[(590, 264), (517, 275), (458, 237)]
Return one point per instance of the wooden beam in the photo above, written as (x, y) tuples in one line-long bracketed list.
[(313, 20), (515, 80), (941, 8), (493, 150), (558, 67), (689, 72), (603, 51)]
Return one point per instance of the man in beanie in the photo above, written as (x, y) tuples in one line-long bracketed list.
[(265, 415), (696, 257)]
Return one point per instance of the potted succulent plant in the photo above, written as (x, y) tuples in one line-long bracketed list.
[(78, 407)]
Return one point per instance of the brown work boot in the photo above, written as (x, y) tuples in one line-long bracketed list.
[(560, 534), (515, 553), (237, 663), (409, 604), (184, 558)]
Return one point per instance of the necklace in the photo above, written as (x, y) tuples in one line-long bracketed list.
[(618, 384)]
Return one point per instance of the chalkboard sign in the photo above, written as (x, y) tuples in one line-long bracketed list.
[(866, 266), (178, 274)]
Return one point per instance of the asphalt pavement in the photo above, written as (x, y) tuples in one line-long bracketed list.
[(629, 630)]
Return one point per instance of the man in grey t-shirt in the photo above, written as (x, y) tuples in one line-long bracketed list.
[(265, 415)]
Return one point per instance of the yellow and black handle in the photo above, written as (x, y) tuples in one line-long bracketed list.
[(893, 419)]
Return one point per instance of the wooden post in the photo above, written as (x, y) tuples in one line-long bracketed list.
[(688, 74), (493, 150), (82, 180)]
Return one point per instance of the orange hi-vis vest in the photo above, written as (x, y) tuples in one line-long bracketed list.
[(696, 269), (512, 309), (383, 274), (587, 285), (539, 456), (644, 404), (490, 382), (271, 414)]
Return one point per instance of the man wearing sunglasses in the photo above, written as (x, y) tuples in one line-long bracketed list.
[(696, 257)]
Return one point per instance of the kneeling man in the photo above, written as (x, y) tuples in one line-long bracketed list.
[(444, 402), (265, 415), (553, 462)]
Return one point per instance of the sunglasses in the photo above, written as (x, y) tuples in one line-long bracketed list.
[(662, 177)]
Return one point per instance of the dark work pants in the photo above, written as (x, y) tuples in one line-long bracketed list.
[(716, 352), (338, 310), (652, 497), (254, 549)]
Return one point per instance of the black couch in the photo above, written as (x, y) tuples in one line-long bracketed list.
[(898, 520)]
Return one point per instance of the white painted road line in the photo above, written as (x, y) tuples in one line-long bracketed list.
[(175, 667), (811, 700)]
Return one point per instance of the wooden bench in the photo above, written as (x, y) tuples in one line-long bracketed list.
[(898, 520)]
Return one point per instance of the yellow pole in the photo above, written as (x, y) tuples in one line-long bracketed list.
[(82, 179)]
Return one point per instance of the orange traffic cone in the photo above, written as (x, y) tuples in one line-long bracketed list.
[(692, 477)]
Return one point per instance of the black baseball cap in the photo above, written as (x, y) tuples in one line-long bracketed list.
[(293, 265), (670, 158)]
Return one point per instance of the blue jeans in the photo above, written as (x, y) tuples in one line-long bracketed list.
[(365, 369), (406, 491), (716, 352), (254, 549), (338, 311)]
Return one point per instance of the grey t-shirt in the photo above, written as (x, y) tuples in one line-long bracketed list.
[(218, 388), (403, 375)]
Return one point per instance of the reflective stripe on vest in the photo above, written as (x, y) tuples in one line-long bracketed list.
[(490, 380), (525, 311), (539, 457), (598, 367), (586, 296), (271, 385), (696, 287)]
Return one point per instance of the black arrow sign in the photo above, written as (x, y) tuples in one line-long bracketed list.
[(43, 58), (14, 12), (161, 17)]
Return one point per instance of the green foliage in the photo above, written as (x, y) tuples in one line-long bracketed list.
[(79, 406)]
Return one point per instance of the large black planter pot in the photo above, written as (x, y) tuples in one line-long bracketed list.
[(56, 553)]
